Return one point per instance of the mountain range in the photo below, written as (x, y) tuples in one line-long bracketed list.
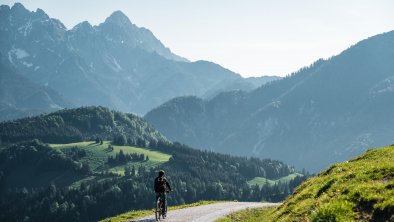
[(327, 112), (340, 105), (115, 64)]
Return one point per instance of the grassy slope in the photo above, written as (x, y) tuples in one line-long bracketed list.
[(97, 154), (97, 157), (361, 189), (261, 180), (132, 215)]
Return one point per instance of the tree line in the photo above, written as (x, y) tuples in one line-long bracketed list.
[(122, 158), (194, 175)]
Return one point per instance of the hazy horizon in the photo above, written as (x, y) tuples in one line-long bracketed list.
[(252, 38)]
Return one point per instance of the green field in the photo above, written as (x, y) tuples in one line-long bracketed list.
[(97, 155), (262, 181)]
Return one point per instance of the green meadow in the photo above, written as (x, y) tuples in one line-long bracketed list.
[(261, 181), (97, 155)]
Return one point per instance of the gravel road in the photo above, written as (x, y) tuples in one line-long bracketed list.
[(206, 213)]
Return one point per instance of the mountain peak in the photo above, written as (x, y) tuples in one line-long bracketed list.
[(119, 18), (19, 9), (4, 8), (85, 25), (18, 6), (40, 13)]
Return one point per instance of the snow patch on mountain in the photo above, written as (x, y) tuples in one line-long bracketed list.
[(113, 63), (27, 64), (25, 29), (386, 85), (19, 53)]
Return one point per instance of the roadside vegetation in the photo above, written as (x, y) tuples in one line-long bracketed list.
[(361, 189)]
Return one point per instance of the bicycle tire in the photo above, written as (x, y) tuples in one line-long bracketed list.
[(158, 210)]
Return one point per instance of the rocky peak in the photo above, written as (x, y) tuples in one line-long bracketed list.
[(41, 14), (18, 10), (18, 7), (84, 26), (4, 8), (118, 18)]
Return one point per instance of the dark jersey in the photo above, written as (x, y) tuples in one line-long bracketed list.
[(161, 185)]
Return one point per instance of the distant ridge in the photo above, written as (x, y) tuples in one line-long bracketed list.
[(85, 123), (324, 113)]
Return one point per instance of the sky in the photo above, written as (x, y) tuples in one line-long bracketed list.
[(250, 37)]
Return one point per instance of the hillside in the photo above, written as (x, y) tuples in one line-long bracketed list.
[(90, 163), (20, 97), (87, 123), (360, 189), (325, 113), (69, 165), (114, 64)]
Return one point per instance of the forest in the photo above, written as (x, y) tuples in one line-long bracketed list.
[(194, 175), (81, 124)]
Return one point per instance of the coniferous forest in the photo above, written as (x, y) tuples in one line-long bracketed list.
[(35, 178)]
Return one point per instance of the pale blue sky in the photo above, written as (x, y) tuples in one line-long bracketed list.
[(251, 37)]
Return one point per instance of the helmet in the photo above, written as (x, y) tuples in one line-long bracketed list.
[(161, 173)]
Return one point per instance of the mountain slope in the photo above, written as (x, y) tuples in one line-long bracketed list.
[(118, 28), (357, 190), (324, 113), (21, 97), (115, 64), (73, 125)]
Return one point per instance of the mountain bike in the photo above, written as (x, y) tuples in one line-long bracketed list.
[(160, 208)]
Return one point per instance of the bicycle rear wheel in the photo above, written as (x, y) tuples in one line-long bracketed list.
[(165, 211), (158, 210)]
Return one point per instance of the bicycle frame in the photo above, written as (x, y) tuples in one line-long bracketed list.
[(160, 212)]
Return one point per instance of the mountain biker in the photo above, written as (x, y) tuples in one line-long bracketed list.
[(162, 187)]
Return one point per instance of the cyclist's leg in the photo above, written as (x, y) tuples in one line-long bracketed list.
[(157, 197), (157, 207), (164, 202)]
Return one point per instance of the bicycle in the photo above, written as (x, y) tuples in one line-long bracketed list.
[(160, 210)]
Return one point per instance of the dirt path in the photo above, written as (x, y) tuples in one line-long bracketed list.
[(206, 213)]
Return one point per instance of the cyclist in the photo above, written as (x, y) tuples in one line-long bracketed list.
[(162, 187)]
